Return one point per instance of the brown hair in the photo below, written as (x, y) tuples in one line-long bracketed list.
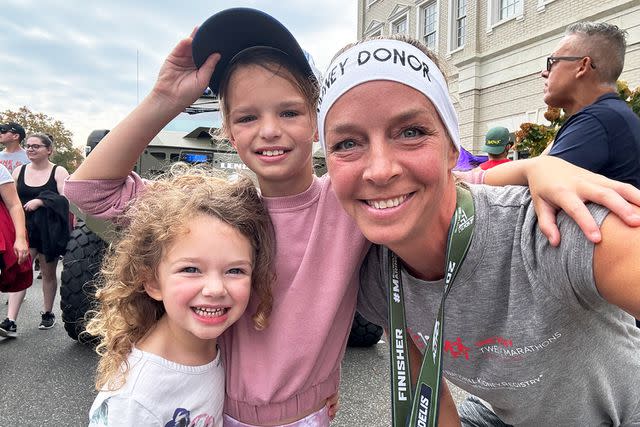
[(155, 221), (43, 137), (279, 64)]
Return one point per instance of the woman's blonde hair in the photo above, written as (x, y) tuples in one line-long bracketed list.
[(155, 220)]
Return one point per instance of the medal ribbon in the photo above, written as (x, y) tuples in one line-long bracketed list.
[(421, 409)]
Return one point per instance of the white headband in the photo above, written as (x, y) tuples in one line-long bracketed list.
[(387, 60)]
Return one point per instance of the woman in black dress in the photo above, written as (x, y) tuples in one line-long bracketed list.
[(40, 186)]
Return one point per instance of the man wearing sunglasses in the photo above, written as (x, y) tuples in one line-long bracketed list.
[(602, 133), (13, 155)]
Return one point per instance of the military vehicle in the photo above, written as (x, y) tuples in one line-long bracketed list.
[(187, 138)]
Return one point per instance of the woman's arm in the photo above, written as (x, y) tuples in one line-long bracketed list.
[(61, 175), (616, 264), (16, 172), (11, 200), (556, 184), (179, 84)]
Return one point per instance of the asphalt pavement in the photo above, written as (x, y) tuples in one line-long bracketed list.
[(47, 378)]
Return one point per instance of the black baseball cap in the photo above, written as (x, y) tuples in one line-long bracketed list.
[(235, 30), (15, 128)]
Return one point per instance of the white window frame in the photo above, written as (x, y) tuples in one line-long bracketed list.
[(494, 9), (454, 46), (370, 2), (374, 29), (420, 35), (402, 18), (542, 4)]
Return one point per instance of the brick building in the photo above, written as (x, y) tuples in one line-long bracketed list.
[(496, 49)]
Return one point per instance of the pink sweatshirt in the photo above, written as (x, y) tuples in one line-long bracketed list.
[(293, 365)]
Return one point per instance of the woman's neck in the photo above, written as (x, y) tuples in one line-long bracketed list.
[(424, 255), (41, 164)]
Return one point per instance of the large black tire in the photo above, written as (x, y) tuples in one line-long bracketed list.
[(80, 268), (363, 333)]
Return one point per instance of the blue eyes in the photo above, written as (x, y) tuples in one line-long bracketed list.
[(407, 133), (251, 118), (412, 133), (344, 145), (196, 270)]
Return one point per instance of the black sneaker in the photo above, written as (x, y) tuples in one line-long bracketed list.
[(48, 320), (8, 328)]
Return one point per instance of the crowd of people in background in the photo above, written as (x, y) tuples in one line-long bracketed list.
[(42, 228)]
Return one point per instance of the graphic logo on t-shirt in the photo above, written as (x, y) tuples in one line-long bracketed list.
[(10, 164), (488, 384), (456, 348), (495, 340), (182, 418), (421, 340), (504, 348)]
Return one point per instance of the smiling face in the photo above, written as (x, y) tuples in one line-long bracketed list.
[(272, 127), (37, 149), (390, 159), (203, 281)]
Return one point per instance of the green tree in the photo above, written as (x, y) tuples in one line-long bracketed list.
[(64, 154), (534, 138)]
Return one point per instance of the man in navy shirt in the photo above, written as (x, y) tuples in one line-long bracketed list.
[(602, 133)]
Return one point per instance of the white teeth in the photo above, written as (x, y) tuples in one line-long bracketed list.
[(209, 312), (273, 153), (384, 204)]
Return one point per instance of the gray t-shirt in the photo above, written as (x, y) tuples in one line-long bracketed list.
[(13, 160), (525, 327)]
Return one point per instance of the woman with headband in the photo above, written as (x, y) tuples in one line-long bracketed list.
[(525, 323)]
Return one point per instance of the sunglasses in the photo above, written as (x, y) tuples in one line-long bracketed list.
[(553, 59)]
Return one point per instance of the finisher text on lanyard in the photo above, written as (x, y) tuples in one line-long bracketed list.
[(424, 408)]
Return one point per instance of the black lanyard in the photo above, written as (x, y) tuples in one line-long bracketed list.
[(423, 411)]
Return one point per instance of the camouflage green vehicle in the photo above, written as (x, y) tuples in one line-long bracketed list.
[(187, 139)]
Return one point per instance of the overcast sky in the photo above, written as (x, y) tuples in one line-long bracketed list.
[(75, 60)]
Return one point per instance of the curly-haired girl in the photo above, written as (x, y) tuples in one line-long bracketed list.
[(194, 248)]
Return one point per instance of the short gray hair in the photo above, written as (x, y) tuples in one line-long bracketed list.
[(605, 44)]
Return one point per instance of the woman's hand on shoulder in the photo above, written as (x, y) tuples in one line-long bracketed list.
[(559, 185), (179, 80)]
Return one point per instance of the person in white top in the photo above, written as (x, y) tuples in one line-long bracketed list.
[(13, 155), (182, 272)]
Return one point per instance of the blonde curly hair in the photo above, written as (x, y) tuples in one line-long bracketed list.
[(153, 223)]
